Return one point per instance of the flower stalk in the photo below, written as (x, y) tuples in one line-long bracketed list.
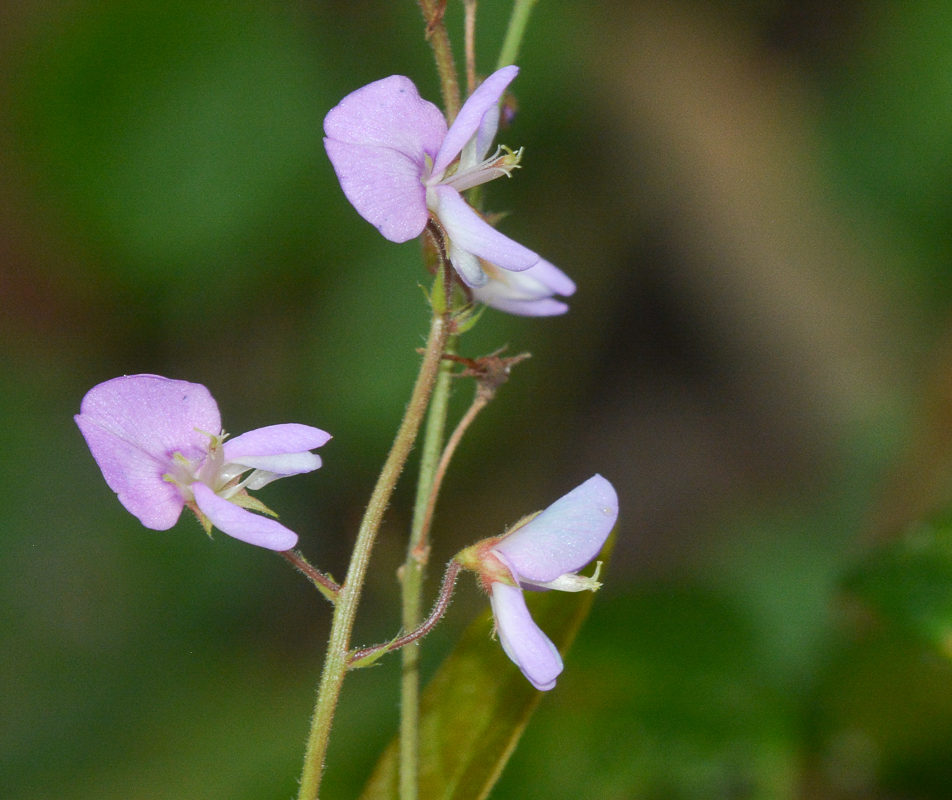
[(323, 583), (436, 614)]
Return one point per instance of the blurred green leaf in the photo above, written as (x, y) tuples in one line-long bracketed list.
[(882, 718), (476, 708), (669, 696), (910, 582)]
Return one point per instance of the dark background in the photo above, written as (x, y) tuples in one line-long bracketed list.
[(755, 200)]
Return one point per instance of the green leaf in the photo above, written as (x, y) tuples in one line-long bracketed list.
[(372, 658), (476, 708), (467, 318), (910, 582)]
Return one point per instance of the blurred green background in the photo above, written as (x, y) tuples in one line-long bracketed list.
[(755, 199)]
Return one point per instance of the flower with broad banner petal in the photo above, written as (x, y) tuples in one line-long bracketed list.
[(160, 446), (397, 164), (543, 552)]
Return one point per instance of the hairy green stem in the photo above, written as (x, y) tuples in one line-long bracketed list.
[(515, 33), (439, 40), (412, 577), (336, 659)]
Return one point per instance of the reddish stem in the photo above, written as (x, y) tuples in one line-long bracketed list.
[(439, 609), (316, 577)]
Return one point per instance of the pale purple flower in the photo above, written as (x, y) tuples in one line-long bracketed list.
[(528, 293), (544, 552), (396, 162), (160, 446)]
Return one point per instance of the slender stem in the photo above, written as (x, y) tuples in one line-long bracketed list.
[(412, 577), (335, 662), (479, 403), (443, 54), (417, 555), (490, 372), (515, 33), (469, 8), (439, 609), (324, 584)]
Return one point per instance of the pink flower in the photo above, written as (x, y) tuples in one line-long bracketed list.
[(396, 162), (545, 552), (160, 446)]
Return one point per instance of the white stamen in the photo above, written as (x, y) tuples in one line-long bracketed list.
[(570, 582), (500, 163)]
